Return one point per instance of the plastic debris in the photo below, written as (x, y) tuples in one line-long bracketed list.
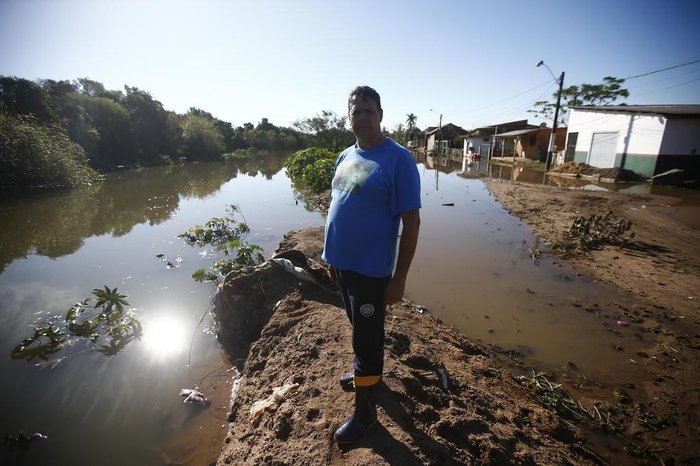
[(289, 267), (278, 395), (194, 396), (623, 323), (444, 376)]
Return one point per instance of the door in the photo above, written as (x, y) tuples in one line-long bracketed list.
[(603, 149)]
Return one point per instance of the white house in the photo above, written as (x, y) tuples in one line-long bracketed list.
[(647, 139)]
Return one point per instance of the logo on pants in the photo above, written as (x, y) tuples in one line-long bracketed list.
[(367, 310)]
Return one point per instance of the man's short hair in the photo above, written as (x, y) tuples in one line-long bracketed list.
[(368, 93)]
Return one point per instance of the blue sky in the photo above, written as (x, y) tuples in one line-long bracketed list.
[(471, 61)]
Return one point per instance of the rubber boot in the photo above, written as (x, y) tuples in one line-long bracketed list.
[(347, 382), (364, 417)]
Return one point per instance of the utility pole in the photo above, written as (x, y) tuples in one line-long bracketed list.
[(555, 124), (439, 133)]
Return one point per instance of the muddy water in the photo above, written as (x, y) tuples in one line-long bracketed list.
[(473, 270)]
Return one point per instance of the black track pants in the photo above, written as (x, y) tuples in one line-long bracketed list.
[(363, 298)]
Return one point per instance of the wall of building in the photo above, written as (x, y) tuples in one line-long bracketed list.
[(638, 140), (680, 147)]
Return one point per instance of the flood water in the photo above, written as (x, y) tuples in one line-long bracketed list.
[(472, 270)]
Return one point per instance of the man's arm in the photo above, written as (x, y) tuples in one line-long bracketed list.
[(407, 248)]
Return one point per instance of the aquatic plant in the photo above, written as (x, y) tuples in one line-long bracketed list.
[(107, 320), (226, 235)]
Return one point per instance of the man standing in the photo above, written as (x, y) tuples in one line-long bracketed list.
[(375, 188)]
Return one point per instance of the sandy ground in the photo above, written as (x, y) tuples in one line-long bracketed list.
[(446, 400)]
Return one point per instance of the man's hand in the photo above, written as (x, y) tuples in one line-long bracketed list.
[(394, 291)]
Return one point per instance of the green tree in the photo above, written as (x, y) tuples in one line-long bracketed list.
[(201, 137), (327, 130), (149, 126), (411, 121), (604, 93), (399, 133), (23, 97), (34, 155), (113, 125)]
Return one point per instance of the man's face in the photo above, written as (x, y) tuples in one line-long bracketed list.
[(365, 117)]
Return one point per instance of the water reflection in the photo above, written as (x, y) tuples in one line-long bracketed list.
[(522, 172), (117, 230), (57, 225), (164, 336)]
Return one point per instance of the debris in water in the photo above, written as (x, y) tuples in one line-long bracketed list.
[(22, 439), (623, 323), (449, 204), (194, 396)]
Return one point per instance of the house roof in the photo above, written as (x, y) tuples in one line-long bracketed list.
[(517, 132), (666, 110), (444, 127), (489, 130), (508, 123)]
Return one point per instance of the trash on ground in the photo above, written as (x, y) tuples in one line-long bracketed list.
[(278, 395)]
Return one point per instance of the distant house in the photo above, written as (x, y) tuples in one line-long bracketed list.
[(528, 143), (647, 139), (441, 140), (479, 140)]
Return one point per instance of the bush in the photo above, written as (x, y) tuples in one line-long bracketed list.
[(33, 155), (314, 166), (298, 161), (318, 177)]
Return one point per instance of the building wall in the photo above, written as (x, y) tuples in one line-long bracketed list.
[(638, 140), (680, 147)]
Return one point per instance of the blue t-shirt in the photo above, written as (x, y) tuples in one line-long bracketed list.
[(371, 189)]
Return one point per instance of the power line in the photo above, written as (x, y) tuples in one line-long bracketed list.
[(519, 108), (670, 87), (662, 69), (668, 78), (516, 95)]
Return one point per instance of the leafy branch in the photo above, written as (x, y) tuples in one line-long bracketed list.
[(107, 319), (226, 235)]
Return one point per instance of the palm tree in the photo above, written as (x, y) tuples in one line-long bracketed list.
[(411, 120)]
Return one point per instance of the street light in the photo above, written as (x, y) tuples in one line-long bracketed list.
[(439, 132), (560, 81)]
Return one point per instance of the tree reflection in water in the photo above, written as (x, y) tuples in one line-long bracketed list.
[(56, 224)]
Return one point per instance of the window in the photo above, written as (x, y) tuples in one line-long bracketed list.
[(570, 147)]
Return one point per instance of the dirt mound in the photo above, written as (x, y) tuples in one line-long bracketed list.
[(443, 400), (620, 174), (572, 168)]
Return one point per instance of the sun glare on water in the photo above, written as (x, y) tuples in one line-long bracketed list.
[(164, 336)]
